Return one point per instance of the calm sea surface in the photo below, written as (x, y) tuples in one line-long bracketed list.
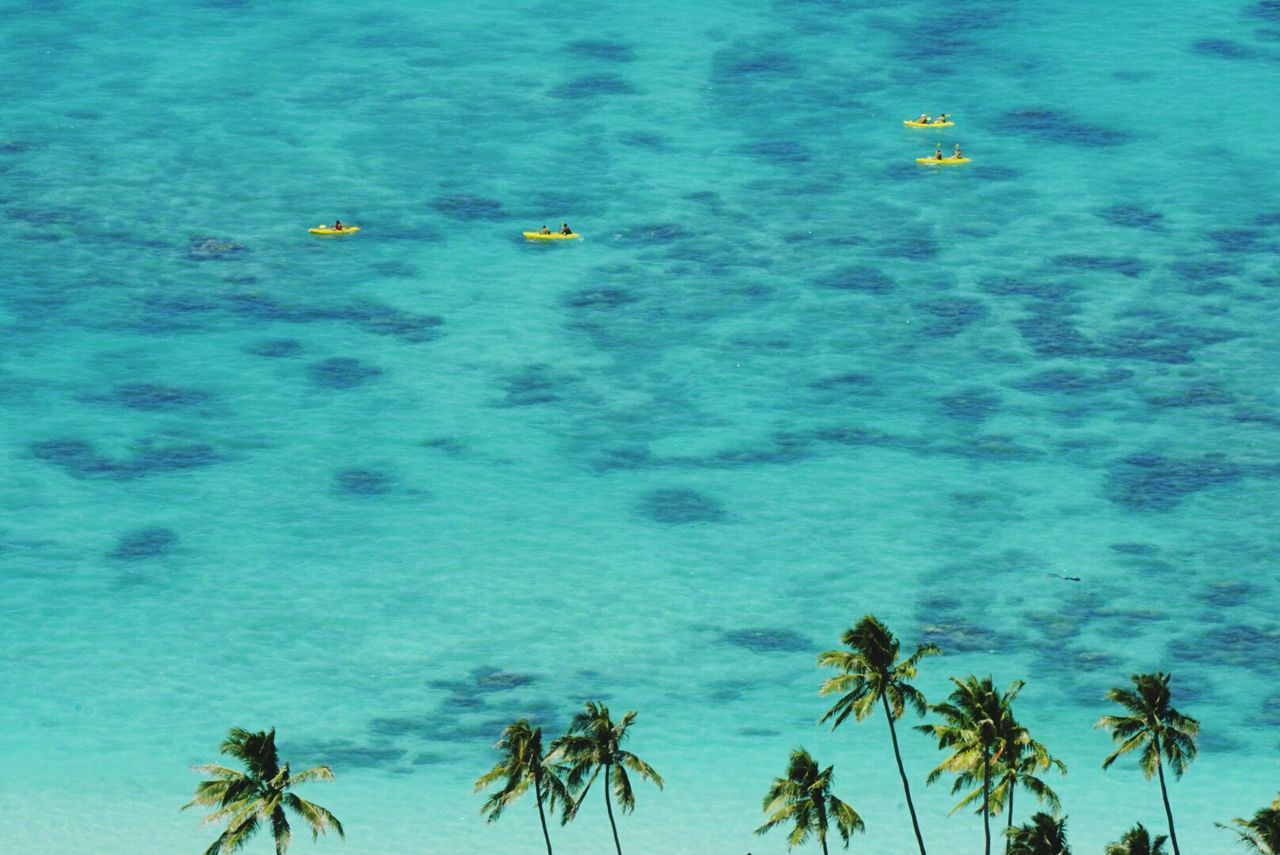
[(253, 477)]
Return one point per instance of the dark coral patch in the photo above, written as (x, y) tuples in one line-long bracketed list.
[(769, 640), (1135, 548), (1103, 263), (1058, 127), (534, 385), (913, 248), (1236, 240), (1266, 10), (80, 459), (1067, 381), (1229, 593), (341, 372), (1236, 645), (144, 543), (851, 381), (275, 348), (342, 753), (149, 396), (205, 248), (779, 151), (1193, 396), (678, 506), (593, 86), (740, 66), (1004, 286), (362, 482), (1154, 482), (1132, 216), (960, 636), (1050, 334), (1198, 270), (857, 278), (1222, 48), (950, 315), (970, 405), (601, 50), (465, 207)]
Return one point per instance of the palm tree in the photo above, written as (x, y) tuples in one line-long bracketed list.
[(1019, 766), (592, 743), (523, 764), (804, 798), (871, 674), (1157, 728), (246, 801), (976, 723), (1138, 841), (1260, 833), (1043, 835)]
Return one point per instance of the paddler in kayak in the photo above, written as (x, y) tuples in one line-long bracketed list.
[(544, 231), (924, 119), (565, 230)]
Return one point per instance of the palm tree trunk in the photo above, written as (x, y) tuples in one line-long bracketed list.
[(820, 804), (986, 800), (608, 806), (906, 787), (1008, 841), (1164, 793), (537, 792)]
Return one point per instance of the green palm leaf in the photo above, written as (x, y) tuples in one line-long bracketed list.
[(244, 801)]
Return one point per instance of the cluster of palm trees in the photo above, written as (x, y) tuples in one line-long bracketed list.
[(563, 774), (989, 754)]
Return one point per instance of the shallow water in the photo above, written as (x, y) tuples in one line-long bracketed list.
[(259, 478)]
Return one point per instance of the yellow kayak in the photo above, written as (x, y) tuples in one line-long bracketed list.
[(330, 230), (946, 161), (552, 236), (930, 124)]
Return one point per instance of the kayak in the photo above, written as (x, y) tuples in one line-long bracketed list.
[(930, 124), (946, 161), (329, 230), (552, 236)]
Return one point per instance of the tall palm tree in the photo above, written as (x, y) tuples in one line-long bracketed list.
[(1019, 766), (1138, 841), (1045, 834), (976, 722), (594, 742), (1153, 725), (804, 799), (247, 800), (871, 674), (523, 764), (1261, 832)]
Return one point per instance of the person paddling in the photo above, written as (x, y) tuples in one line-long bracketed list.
[(565, 230), (957, 154), (545, 231), (338, 226)]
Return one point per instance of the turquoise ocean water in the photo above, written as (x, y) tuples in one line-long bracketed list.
[(257, 478)]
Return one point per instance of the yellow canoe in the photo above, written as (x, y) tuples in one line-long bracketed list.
[(329, 230), (946, 161), (552, 236), (930, 124)]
